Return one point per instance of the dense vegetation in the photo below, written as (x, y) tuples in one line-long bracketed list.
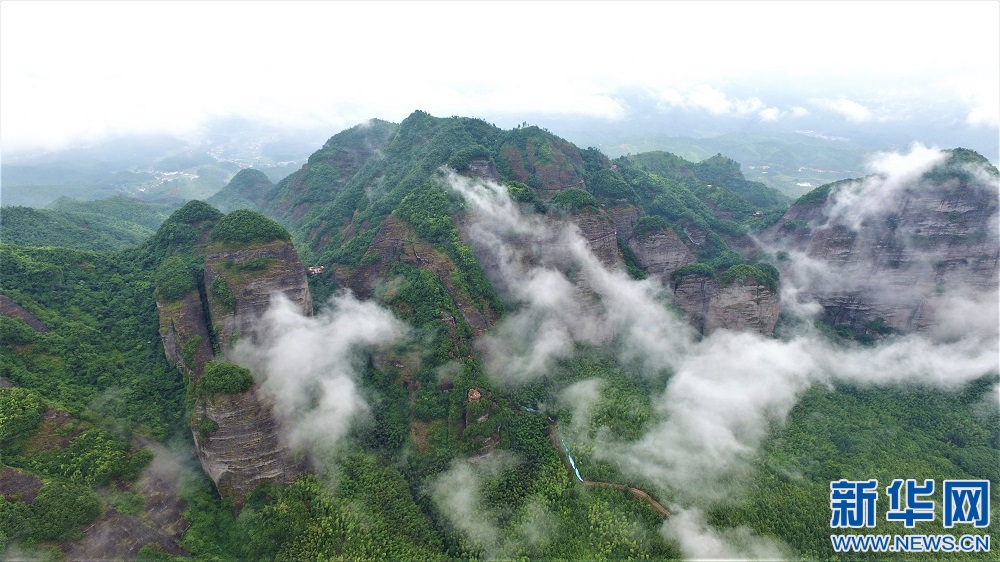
[(242, 227), (98, 378), (109, 224), (245, 190), (226, 378)]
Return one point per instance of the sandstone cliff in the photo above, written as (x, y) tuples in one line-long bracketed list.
[(887, 259), (237, 438), (660, 252), (739, 306), (396, 242), (252, 275)]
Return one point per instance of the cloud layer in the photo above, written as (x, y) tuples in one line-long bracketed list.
[(219, 67), (309, 365)]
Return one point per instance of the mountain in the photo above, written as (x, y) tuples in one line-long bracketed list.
[(108, 224), (792, 163), (153, 168), (440, 339), (246, 190), (895, 246), (210, 293)]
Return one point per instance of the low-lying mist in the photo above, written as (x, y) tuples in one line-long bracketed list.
[(725, 391), (309, 365)]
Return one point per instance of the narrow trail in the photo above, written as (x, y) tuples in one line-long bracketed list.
[(567, 460)]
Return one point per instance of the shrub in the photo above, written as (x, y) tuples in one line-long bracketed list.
[(461, 159), (194, 212), (246, 227), (522, 193), (226, 378), (20, 412), (607, 183), (190, 349), (253, 264), (174, 279), (645, 225), (763, 273), (691, 269), (220, 289), (574, 201)]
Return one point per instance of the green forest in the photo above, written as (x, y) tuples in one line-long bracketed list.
[(448, 462)]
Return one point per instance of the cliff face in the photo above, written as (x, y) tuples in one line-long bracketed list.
[(899, 254), (599, 231), (660, 252), (244, 448), (184, 332), (543, 161), (397, 242), (253, 274), (624, 217), (237, 438), (710, 306)]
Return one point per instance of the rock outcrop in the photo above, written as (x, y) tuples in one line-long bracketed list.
[(739, 306), (624, 218), (599, 231), (253, 275), (237, 437), (397, 242), (11, 309), (543, 161), (888, 262), (660, 252)]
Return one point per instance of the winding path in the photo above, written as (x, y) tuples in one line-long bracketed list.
[(567, 460)]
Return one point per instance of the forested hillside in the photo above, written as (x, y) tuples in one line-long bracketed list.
[(440, 339)]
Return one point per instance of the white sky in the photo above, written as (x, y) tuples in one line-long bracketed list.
[(84, 70)]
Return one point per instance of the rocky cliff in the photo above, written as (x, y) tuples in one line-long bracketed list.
[(251, 275), (881, 252), (599, 231), (237, 438), (660, 252), (396, 242), (740, 305)]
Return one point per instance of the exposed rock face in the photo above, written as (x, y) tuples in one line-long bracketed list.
[(245, 450), (16, 485), (236, 436), (254, 275), (184, 327), (660, 252), (397, 242), (484, 168), (935, 236), (599, 230), (624, 217), (738, 306), (11, 309), (548, 163), (118, 535)]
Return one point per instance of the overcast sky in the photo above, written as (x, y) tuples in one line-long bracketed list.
[(86, 70)]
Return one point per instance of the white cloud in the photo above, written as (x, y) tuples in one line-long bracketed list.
[(163, 67), (728, 390), (308, 365), (850, 109), (707, 98), (892, 172), (700, 541), (982, 95)]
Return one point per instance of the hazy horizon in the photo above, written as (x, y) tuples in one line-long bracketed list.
[(879, 73)]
